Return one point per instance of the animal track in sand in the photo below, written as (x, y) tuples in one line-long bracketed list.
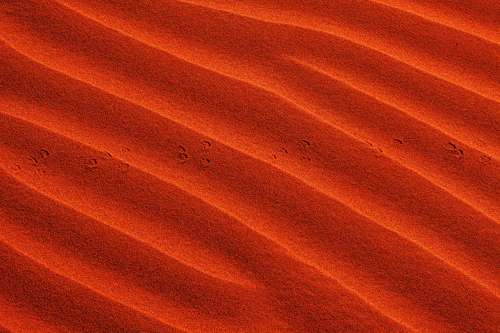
[(93, 163), (90, 164), (485, 159), (304, 143), (205, 162), (182, 155), (36, 161), (44, 153), (454, 150), (206, 144), (33, 159), (199, 156), (404, 140), (250, 184), (304, 146), (378, 151), (38, 156), (282, 150), (303, 150)]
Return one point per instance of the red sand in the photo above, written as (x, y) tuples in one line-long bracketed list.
[(250, 166)]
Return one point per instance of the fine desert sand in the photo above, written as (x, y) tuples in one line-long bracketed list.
[(250, 166)]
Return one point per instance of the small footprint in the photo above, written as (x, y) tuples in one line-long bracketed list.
[(205, 162), (378, 150), (91, 164), (207, 144), (405, 140), (124, 167), (485, 159), (34, 160), (453, 149), (39, 155), (16, 167), (304, 143), (44, 153), (183, 157)]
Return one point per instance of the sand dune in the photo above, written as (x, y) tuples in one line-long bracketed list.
[(249, 166)]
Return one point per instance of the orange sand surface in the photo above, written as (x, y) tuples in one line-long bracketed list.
[(250, 166)]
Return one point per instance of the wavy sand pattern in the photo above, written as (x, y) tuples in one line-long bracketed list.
[(250, 166)]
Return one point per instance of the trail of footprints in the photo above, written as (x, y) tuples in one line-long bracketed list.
[(36, 161), (201, 157), (454, 150), (303, 147), (93, 163)]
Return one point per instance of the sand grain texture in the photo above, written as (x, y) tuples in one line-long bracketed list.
[(250, 166)]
